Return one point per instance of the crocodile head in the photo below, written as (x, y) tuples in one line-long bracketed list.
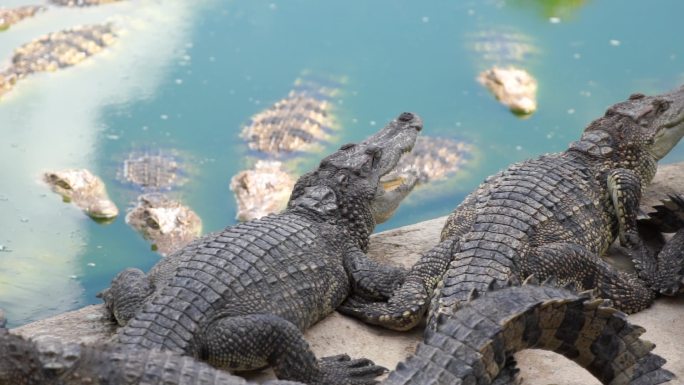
[(346, 187), (638, 132), (661, 118)]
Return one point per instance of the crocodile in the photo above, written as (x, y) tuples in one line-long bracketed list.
[(470, 347), (163, 220), (262, 190), (11, 16), (299, 122), (55, 51), (167, 223), (505, 51), (85, 190), (81, 3), (152, 171), (48, 361), (239, 298), (433, 159), (552, 215)]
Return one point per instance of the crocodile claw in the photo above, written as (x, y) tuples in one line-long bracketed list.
[(342, 370)]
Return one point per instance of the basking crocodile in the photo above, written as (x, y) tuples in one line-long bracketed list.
[(470, 347), (47, 361), (55, 51), (239, 298), (553, 215), (85, 190)]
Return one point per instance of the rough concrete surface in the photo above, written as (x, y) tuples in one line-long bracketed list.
[(664, 321)]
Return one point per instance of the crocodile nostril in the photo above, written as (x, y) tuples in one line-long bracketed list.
[(406, 117)]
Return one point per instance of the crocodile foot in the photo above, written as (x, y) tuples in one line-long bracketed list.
[(342, 370)]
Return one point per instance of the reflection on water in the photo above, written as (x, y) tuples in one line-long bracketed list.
[(186, 77), (53, 122)]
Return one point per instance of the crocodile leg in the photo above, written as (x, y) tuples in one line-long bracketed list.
[(371, 280), (126, 295), (570, 262), (257, 340), (624, 187), (405, 309)]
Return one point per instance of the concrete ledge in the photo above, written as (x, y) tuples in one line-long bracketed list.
[(336, 334)]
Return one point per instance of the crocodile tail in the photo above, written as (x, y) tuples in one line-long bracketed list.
[(473, 344), (668, 216)]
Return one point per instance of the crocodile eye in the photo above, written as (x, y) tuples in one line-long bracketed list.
[(152, 222), (661, 106), (372, 150)]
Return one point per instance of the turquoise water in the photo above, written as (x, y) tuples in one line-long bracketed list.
[(188, 75)]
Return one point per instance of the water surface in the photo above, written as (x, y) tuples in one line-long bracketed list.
[(188, 75)]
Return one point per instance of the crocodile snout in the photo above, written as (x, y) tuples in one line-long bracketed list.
[(414, 120)]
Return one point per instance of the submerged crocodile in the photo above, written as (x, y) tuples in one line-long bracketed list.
[(55, 51), (167, 223), (505, 51), (550, 216), (81, 3), (11, 16), (152, 171), (299, 122), (433, 159), (470, 347), (85, 190), (164, 221), (240, 298), (262, 190)]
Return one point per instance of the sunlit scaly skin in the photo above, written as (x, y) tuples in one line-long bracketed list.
[(239, 298)]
